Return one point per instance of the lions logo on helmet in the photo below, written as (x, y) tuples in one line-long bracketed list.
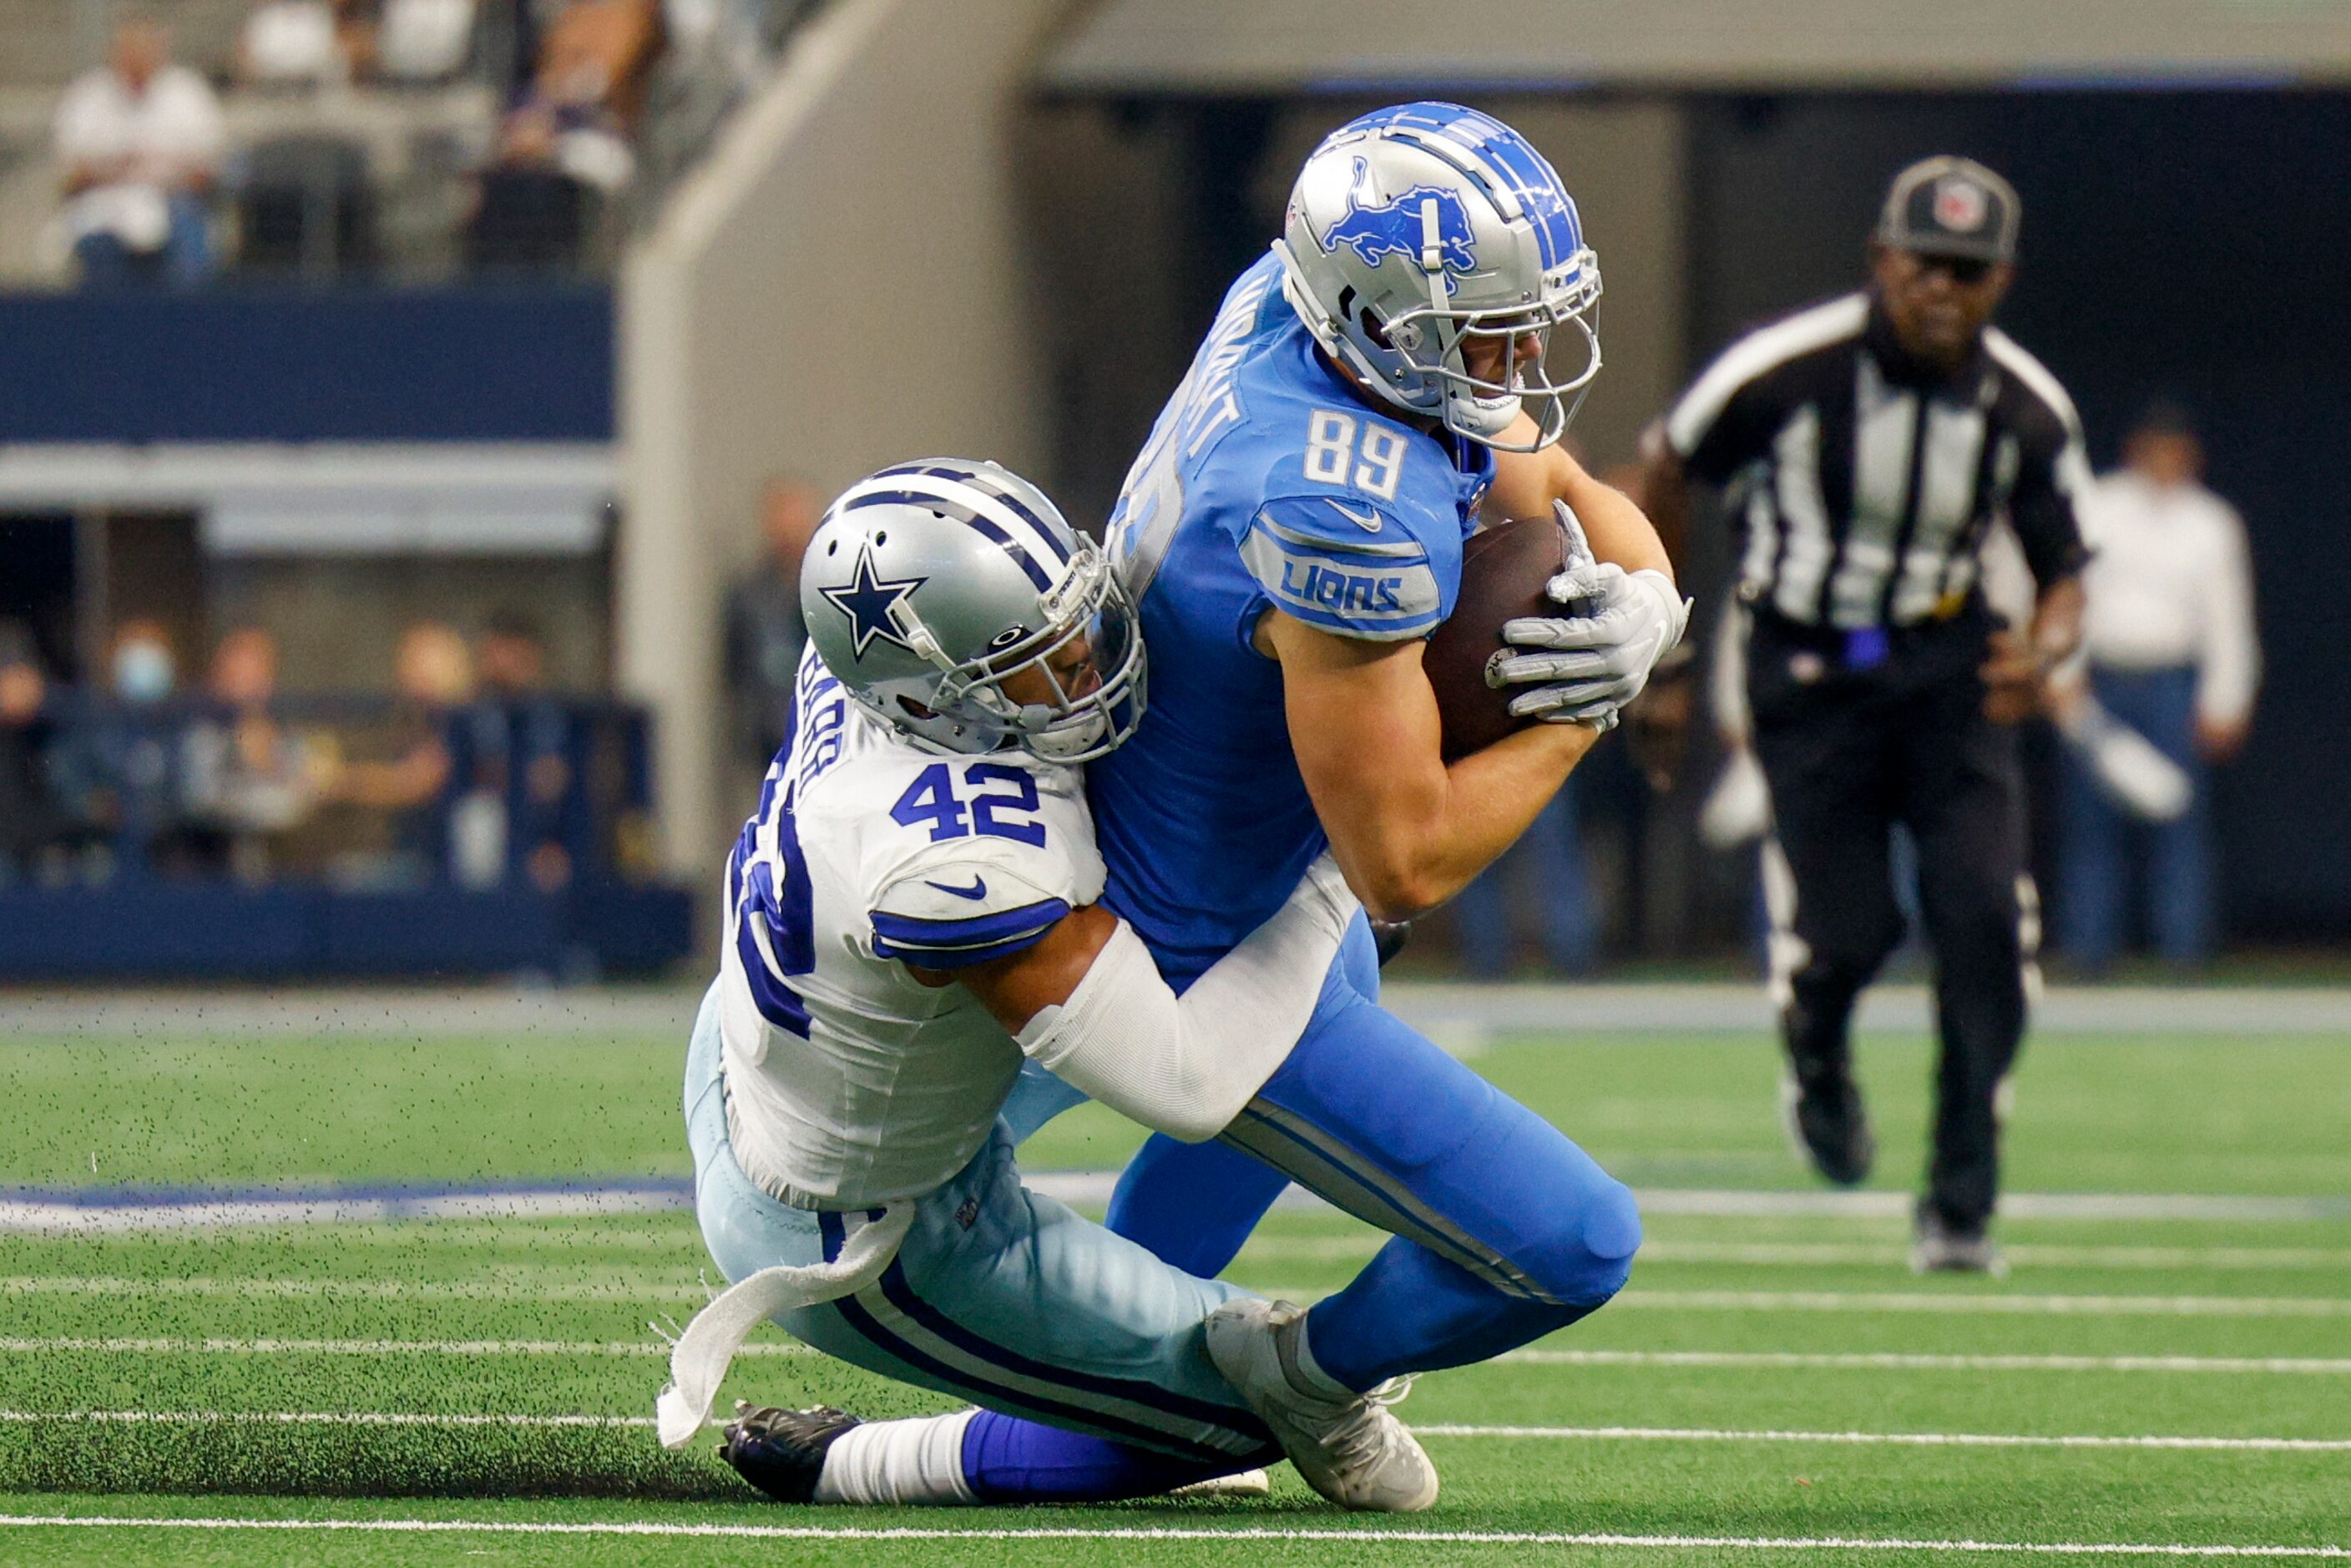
[(1416, 232), (956, 605), (1402, 226)]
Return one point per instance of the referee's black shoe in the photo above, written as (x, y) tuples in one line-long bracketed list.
[(1827, 1121), (780, 1451)]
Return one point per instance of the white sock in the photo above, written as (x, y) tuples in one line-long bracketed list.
[(914, 1463)]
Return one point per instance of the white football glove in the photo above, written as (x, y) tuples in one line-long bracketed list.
[(1597, 662)]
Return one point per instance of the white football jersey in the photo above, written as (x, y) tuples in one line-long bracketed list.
[(849, 1081)]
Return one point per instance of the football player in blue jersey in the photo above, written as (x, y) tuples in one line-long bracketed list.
[(1370, 390)]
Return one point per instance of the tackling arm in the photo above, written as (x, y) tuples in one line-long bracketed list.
[(1087, 1003)]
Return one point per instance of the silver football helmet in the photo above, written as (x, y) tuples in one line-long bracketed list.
[(951, 599), (1418, 231)]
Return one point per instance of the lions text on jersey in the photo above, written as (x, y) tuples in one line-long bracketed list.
[(850, 1081), (1268, 484)]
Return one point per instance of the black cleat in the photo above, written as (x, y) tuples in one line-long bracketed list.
[(781, 1451), (1388, 937), (1828, 1123)]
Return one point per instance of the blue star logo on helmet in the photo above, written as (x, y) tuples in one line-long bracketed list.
[(1376, 229), (867, 601)]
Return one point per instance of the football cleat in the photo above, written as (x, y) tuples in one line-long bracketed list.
[(781, 1451), (1942, 1247), (1828, 1125), (1353, 1451)]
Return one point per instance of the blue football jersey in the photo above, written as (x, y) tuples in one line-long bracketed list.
[(1267, 482)]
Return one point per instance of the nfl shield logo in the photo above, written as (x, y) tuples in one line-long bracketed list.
[(1959, 205)]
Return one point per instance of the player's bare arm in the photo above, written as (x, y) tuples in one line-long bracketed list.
[(1527, 484), (1411, 832)]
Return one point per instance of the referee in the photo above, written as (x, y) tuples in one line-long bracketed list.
[(1865, 446)]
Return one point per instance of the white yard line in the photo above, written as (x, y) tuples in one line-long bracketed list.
[(1834, 1254), (374, 1289), (1177, 1533), (1893, 1439), (1956, 1303), (367, 1347), (1739, 1202), (1898, 1360), (655, 1291), (49, 1216), (1438, 1429), (2305, 1366), (52, 1215)]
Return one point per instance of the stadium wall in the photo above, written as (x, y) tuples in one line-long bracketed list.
[(840, 286)]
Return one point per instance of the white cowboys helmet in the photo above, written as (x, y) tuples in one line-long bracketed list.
[(929, 586), (1416, 230)]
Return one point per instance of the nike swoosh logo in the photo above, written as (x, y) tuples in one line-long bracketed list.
[(1368, 521), (978, 889)]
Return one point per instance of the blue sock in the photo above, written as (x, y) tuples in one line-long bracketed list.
[(1008, 1460)]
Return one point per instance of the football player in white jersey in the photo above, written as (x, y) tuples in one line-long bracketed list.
[(910, 912)]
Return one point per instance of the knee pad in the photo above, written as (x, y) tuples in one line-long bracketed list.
[(1588, 1255)]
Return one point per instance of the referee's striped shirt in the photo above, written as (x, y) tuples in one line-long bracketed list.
[(1862, 483)]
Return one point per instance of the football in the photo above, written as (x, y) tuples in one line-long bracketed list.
[(1503, 570)]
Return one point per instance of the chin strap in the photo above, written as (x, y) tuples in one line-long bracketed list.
[(698, 1362)]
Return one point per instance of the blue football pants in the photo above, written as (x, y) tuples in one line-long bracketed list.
[(1503, 1229)]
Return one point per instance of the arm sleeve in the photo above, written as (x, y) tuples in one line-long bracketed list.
[(1346, 566), (1186, 1066), (2230, 662)]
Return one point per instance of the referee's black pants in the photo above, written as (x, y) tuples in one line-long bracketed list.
[(1853, 745)]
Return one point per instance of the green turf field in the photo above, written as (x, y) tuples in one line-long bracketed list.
[(2145, 1377)]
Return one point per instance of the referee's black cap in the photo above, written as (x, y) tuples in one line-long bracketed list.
[(1950, 206)]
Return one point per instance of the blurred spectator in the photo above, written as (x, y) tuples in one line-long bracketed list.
[(568, 138), (247, 777), (1549, 857), (2171, 652), (764, 629), (140, 140), (28, 813), (423, 40), (294, 44), (536, 745), (598, 53), (435, 824), (142, 667)]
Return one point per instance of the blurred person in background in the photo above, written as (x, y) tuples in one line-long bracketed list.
[(2171, 651), (140, 140), (294, 44), (440, 825), (29, 818), (530, 738), (764, 632), (142, 669), (1546, 868), (568, 138), (248, 779), (1867, 444)]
